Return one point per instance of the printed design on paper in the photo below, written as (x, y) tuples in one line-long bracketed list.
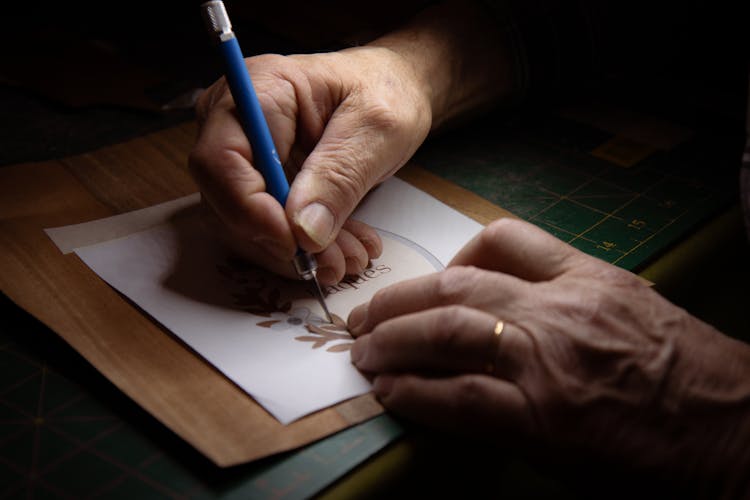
[(259, 294)]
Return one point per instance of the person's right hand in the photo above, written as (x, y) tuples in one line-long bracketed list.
[(341, 122)]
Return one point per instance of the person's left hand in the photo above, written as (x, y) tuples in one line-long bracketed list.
[(590, 358)]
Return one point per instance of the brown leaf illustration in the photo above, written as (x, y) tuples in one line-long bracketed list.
[(267, 324), (340, 347), (307, 338), (317, 341), (329, 334)]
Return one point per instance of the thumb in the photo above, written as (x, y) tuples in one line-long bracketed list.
[(350, 158)]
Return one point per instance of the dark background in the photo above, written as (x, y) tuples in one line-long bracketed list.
[(80, 75)]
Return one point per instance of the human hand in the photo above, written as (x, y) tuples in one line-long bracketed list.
[(341, 122), (590, 360)]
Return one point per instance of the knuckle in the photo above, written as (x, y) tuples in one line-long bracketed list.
[(343, 171), (471, 393), (449, 328), (455, 283), (603, 289), (379, 303), (273, 95), (208, 99), (589, 306), (378, 342), (348, 180), (382, 117), (265, 63), (206, 161), (500, 229), (612, 275), (271, 81)]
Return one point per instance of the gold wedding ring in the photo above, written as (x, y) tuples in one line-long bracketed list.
[(496, 334), (499, 326)]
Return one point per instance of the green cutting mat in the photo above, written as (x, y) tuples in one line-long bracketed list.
[(541, 168), (66, 432)]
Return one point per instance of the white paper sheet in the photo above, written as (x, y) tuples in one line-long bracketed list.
[(264, 333)]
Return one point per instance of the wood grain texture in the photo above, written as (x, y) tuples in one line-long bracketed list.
[(453, 195), (145, 361)]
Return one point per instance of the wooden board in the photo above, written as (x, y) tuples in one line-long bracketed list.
[(144, 360)]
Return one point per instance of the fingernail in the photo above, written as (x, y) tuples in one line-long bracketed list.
[(359, 349), (383, 385), (316, 220), (357, 318), (326, 275)]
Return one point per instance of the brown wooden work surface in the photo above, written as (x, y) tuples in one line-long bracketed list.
[(144, 360)]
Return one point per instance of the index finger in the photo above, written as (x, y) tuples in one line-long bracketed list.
[(519, 248), (495, 293)]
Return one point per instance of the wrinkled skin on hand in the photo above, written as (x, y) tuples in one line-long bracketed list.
[(591, 361), (341, 122)]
